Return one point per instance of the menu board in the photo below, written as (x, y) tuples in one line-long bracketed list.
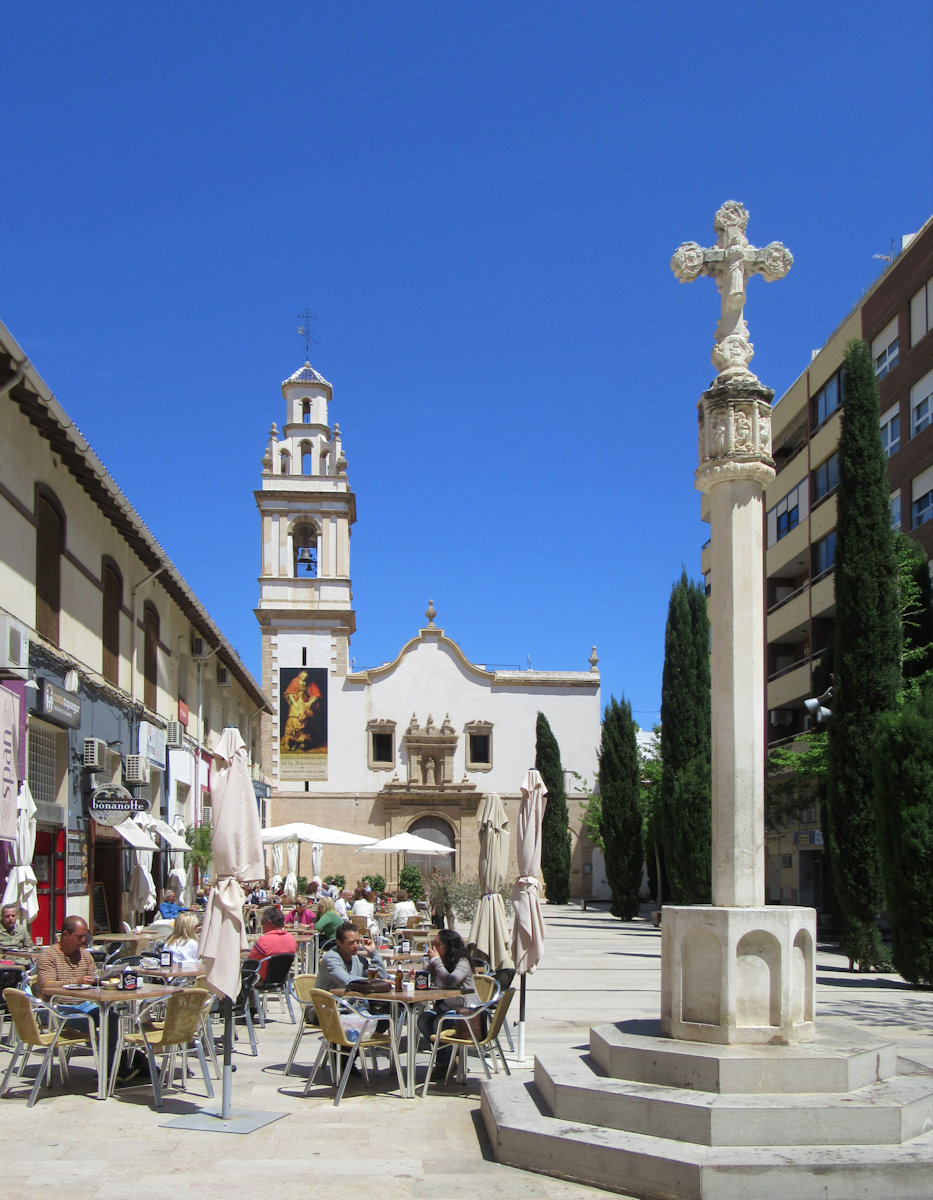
[(76, 872)]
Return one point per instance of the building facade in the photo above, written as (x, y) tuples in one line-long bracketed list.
[(414, 743), (121, 680), (895, 317)]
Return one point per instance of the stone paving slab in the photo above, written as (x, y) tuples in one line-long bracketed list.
[(595, 970)]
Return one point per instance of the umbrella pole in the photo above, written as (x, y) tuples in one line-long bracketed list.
[(228, 1055), (521, 1019)]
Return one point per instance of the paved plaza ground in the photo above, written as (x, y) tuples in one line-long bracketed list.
[(595, 970)]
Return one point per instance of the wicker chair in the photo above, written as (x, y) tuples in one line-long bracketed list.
[(59, 1037), (461, 1035), (303, 986), (179, 1029), (334, 1039)]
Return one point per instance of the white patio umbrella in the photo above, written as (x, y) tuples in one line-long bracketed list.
[(277, 849), (400, 842), (317, 857), (178, 873), (528, 927), (302, 831), (21, 882), (238, 859), (291, 878), (489, 933), (141, 891)]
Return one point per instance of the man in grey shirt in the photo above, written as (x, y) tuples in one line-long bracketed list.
[(345, 962), (13, 933)]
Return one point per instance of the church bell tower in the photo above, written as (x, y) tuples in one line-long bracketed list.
[(305, 608)]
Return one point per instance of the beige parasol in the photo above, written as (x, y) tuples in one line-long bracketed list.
[(238, 859), (489, 931), (528, 929)]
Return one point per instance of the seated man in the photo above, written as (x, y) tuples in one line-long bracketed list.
[(13, 933), (70, 962), (338, 966), (170, 908), (275, 938)]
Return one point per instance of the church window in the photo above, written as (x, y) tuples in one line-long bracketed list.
[(478, 746), (285, 463), (307, 459), (306, 412), (380, 734), (50, 545), (304, 544)]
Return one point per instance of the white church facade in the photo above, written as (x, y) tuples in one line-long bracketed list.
[(412, 744)]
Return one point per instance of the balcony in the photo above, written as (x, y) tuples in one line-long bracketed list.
[(792, 614), (790, 686)]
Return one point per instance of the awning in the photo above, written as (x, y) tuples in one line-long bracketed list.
[(171, 840), (134, 836)]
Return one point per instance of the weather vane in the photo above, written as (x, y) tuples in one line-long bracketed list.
[(304, 330)]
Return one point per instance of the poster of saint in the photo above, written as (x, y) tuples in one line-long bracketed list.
[(302, 723)]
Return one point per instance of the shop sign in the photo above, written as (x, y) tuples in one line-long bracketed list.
[(183, 713), (112, 804), (263, 791), (152, 744), (64, 708), (806, 839)]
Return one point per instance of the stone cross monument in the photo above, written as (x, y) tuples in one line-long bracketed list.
[(736, 971)]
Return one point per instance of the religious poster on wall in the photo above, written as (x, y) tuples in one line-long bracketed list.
[(302, 723)]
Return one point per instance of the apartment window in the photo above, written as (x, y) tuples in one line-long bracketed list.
[(921, 402), (884, 349), (827, 399), (921, 497), (891, 431), (50, 544), (824, 552), (787, 513), (45, 763), (921, 312), (826, 477), (110, 623), (150, 657), (380, 737), (894, 504)]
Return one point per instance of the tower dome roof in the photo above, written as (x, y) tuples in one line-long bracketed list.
[(308, 375)]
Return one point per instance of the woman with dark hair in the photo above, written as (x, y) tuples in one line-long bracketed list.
[(450, 968)]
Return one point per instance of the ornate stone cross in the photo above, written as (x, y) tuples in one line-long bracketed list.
[(731, 262)]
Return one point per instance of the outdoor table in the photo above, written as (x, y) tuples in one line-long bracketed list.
[(411, 1001), (175, 971), (105, 998), (307, 949)]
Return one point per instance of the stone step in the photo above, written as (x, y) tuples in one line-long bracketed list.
[(839, 1059), (524, 1136), (886, 1112)]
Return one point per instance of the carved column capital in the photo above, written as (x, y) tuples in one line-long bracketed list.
[(734, 418)]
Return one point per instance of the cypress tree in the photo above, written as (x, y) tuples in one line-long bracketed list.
[(686, 799), (621, 819), (903, 772), (555, 828), (866, 658)]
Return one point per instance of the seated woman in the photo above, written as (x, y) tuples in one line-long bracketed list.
[(404, 908), (328, 919), (183, 940), (301, 915), (450, 968)]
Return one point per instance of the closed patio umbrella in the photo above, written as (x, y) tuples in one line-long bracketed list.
[(277, 851), (317, 857), (489, 933), (291, 878), (21, 882), (528, 927)]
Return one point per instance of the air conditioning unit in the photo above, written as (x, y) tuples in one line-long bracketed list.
[(95, 754), (199, 647), (223, 677), (175, 735), (207, 814), (14, 647), (137, 769)]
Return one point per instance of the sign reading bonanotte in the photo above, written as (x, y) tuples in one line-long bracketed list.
[(112, 804)]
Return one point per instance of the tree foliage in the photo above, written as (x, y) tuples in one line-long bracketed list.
[(620, 815), (555, 829), (686, 804), (903, 772), (866, 658), (410, 879)]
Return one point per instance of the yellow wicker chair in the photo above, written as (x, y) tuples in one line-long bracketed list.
[(58, 1037), (463, 1040), (302, 986), (328, 1008), (179, 1029)]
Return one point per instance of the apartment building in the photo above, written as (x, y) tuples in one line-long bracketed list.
[(895, 316)]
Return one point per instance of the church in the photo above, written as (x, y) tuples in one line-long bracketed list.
[(411, 745)]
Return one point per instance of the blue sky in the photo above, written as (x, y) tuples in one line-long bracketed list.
[(479, 202)]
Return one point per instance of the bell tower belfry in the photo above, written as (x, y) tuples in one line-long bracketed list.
[(305, 608)]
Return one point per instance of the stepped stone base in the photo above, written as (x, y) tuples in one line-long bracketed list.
[(839, 1118)]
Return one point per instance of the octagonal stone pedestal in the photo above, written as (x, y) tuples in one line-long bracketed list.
[(738, 976)]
